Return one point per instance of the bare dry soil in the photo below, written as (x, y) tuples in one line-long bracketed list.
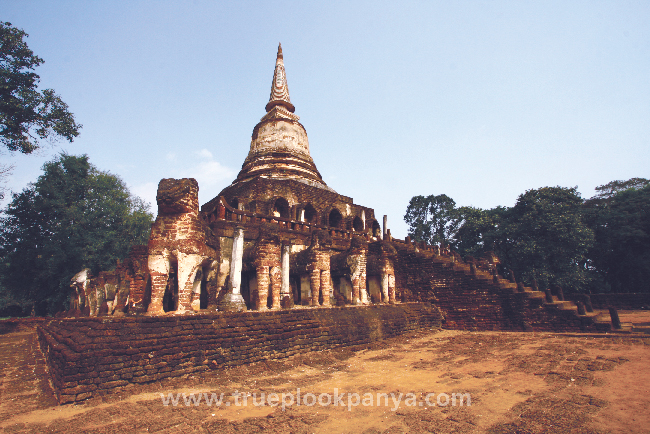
[(508, 382)]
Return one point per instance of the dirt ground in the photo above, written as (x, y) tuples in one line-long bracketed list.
[(515, 383)]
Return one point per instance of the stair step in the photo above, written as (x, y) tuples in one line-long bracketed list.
[(564, 305), (447, 274), (602, 316), (625, 328)]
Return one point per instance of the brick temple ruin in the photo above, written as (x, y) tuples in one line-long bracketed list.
[(278, 236), (247, 277)]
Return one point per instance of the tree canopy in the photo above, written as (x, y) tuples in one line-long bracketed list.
[(608, 191), (74, 216), (545, 236), (549, 238), (620, 217), (432, 218), (27, 116)]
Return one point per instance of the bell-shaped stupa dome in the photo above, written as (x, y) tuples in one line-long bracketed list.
[(279, 145)]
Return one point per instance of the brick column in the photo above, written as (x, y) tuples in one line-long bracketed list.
[(286, 286), (236, 261), (356, 295), (391, 288), (196, 291), (276, 286), (159, 272), (384, 287), (187, 267), (325, 286), (232, 300), (262, 293), (121, 296), (362, 287), (358, 278), (315, 284)]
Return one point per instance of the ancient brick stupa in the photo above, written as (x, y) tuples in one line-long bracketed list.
[(278, 236), (279, 164), (279, 145), (280, 192)]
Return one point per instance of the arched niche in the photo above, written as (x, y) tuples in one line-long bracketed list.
[(376, 229), (280, 208), (310, 215), (335, 218), (357, 224)]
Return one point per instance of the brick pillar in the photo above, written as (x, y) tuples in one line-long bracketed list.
[(233, 300), (213, 292), (159, 272), (391, 288), (92, 299), (187, 268), (122, 295), (363, 290), (100, 297), (276, 287), (384, 288), (325, 286), (358, 278), (158, 285), (196, 290), (262, 293), (136, 293), (314, 284), (285, 291), (236, 261), (356, 294)]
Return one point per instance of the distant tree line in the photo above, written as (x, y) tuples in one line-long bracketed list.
[(551, 235)]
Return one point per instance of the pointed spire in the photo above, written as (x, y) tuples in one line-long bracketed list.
[(279, 88)]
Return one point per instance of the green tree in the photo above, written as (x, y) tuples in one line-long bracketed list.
[(547, 238), (74, 216), (27, 116), (608, 191), (620, 217), (433, 219), (543, 237), (481, 231)]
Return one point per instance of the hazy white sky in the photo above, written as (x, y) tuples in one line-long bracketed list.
[(479, 100)]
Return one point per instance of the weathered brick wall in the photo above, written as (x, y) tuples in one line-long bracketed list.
[(476, 302), (92, 356), (628, 301)]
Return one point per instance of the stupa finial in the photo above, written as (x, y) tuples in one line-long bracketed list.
[(279, 88)]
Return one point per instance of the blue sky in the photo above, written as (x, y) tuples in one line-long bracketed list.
[(479, 100)]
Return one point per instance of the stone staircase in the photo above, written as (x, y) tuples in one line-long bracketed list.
[(473, 299)]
